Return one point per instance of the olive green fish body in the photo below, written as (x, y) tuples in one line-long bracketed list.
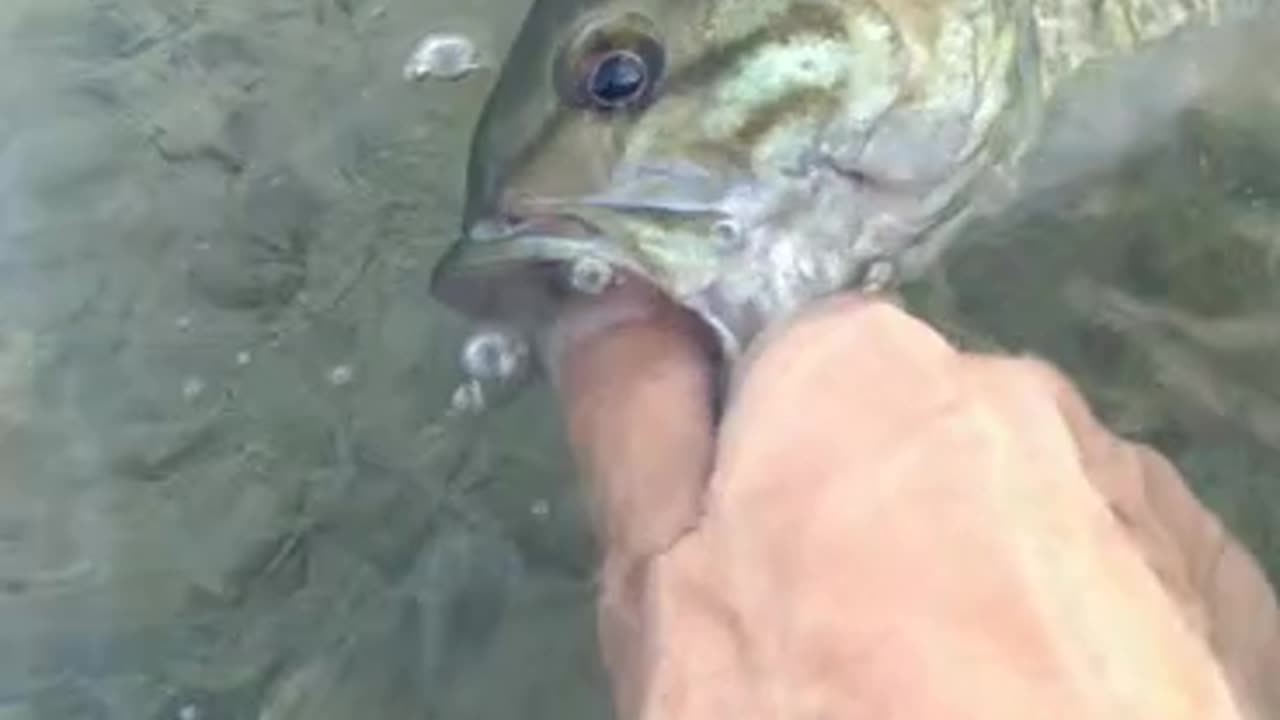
[(748, 156)]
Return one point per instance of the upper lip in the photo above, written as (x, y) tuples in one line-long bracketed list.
[(507, 227), (519, 215)]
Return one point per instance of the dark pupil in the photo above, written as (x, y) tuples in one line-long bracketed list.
[(617, 79)]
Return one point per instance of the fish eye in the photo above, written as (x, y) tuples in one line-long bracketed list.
[(611, 66), (617, 79)]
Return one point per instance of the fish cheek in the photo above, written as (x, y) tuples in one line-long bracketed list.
[(672, 134), (573, 161)]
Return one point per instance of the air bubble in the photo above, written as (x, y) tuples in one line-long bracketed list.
[(540, 508), (468, 398), (442, 56), (341, 375), (192, 388), (879, 275), (590, 276), (494, 355)]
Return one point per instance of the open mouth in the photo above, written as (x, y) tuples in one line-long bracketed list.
[(520, 270), (522, 277)]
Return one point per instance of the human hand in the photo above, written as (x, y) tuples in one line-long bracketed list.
[(885, 527)]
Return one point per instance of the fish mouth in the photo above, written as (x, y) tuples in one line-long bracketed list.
[(519, 274), (513, 263), (516, 270), (737, 253)]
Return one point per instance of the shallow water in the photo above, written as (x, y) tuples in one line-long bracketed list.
[(229, 489), (229, 486), (1144, 260)]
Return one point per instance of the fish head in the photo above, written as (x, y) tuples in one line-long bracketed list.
[(743, 156)]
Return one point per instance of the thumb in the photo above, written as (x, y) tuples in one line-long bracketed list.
[(635, 380)]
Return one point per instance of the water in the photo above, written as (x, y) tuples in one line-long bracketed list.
[(1145, 262), (231, 482), (230, 486)]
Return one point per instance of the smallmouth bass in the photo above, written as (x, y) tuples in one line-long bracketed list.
[(749, 156)]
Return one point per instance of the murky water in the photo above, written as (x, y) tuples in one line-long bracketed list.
[(1144, 261), (228, 488)]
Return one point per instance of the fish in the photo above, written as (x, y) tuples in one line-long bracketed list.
[(747, 157)]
